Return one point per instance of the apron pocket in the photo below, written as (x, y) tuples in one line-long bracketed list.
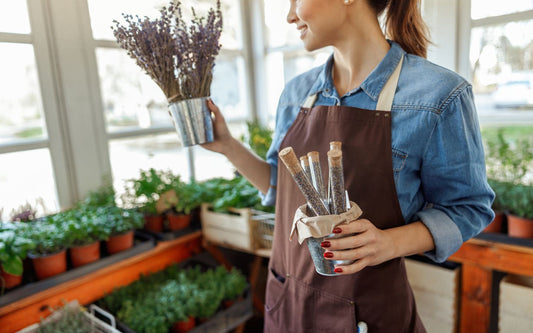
[(294, 307)]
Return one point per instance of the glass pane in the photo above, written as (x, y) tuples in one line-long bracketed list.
[(486, 8), (279, 31), (103, 13), (27, 178), (277, 62), (21, 113), (14, 17), (205, 160), (131, 98), (228, 88), (501, 59), (161, 152)]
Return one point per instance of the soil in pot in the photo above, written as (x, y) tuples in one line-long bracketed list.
[(119, 242), (178, 221), (519, 226), (9, 281), (184, 325), (154, 223), (82, 255), (49, 265), (496, 224)]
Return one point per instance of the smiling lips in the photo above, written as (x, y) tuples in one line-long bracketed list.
[(303, 30)]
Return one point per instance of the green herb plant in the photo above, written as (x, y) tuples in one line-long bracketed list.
[(13, 248)]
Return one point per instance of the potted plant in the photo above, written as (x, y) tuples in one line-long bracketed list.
[(258, 138), (85, 230), (186, 78), (13, 249), (51, 242), (120, 224), (520, 215), (144, 193), (234, 284), (499, 205), (182, 199)]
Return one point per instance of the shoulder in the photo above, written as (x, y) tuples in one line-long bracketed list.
[(425, 84)]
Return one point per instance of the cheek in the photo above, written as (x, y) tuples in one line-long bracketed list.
[(303, 10)]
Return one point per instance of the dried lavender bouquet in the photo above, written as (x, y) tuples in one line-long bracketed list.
[(179, 57)]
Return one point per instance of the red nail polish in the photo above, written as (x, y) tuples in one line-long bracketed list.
[(338, 270), (337, 230), (325, 244), (328, 255)]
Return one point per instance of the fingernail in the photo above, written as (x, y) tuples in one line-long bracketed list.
[(338, 270), (325, 244), (337, 230), (328, 255)]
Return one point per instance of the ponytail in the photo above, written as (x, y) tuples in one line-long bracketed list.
[(404, 24)]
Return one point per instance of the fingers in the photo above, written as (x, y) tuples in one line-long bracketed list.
[(213, 108)]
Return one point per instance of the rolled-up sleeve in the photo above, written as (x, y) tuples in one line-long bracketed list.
[(453, 177)]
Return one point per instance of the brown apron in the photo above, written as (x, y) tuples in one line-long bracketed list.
[(300, 300)]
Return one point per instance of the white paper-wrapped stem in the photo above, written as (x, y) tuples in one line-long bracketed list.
[(311, 195), (336, 181), (316, 174)]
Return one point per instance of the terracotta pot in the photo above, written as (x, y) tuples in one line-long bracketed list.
[(119, 242), (178, 221), (519, 226), (496, 224), (184, 326), (154, 223), (9, 281), (49, 265), (82, 255)]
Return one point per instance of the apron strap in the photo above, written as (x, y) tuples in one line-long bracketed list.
[(387, 93), (385, 97)]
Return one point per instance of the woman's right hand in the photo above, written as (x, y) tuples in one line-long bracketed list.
[(222, 135)]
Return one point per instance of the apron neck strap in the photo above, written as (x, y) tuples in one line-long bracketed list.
[(389, 89), (385, 97)]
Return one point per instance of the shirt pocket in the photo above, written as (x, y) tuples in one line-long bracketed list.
[(398, 163)]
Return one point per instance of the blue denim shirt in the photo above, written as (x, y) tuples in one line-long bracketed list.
[(438, 158)]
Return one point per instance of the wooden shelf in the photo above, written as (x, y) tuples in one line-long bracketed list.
[(93, 286), (479, 258)]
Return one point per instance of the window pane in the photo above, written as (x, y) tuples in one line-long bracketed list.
[(228, 87), (205, 160), (277, 62), (21, 114), (26, 177), (103, 13), (486, 8), (279, 31), (14, 17), (161, 152), (501, 59)]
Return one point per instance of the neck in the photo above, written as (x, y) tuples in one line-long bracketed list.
[(357, 52)]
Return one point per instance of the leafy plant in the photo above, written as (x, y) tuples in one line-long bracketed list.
[(144, 192), (185, 196), (519, 200), (48, 235), (13, 249), (501, 189), (234, 284), (103, 196), (235, 193), (117, 221), (258, 137), (68, 319)]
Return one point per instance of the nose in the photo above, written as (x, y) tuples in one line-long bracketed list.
[(291, 15)]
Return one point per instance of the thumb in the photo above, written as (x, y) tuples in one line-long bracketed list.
[(213, 108)]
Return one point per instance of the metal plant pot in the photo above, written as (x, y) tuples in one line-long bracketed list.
[(192, 120)]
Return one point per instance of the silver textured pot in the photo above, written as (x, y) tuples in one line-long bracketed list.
[(192, 120)]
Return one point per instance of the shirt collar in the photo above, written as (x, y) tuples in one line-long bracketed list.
[(375, 81)]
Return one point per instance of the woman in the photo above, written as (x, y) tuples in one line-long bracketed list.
[(413, 161)]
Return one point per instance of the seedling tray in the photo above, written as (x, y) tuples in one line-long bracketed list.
[(142, 243)]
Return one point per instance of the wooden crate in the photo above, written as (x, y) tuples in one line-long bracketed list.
[(516, 304), (436, 291)]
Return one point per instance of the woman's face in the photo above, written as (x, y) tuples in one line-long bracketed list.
[(317, 20)]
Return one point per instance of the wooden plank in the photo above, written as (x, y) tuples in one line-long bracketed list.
[(93, 286), (475, 299), (504, 258)]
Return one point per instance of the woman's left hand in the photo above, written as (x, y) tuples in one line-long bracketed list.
[(362, 241)]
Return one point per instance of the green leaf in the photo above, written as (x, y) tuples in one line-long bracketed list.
[(13, 265)]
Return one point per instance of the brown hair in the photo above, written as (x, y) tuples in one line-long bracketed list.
[(404, 24)]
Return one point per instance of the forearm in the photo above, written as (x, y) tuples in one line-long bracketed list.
[(410, 239), (253, 168)]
